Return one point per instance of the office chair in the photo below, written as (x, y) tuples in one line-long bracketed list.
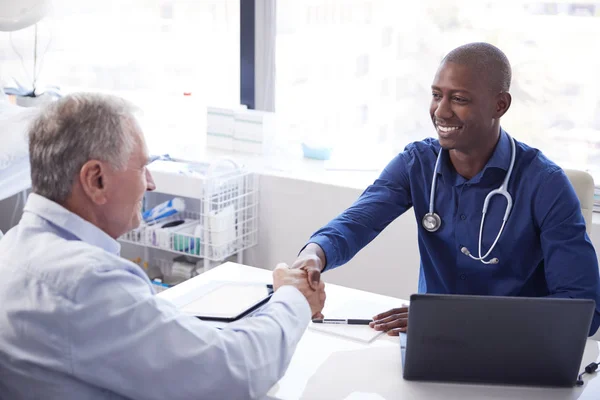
[(583, 183)]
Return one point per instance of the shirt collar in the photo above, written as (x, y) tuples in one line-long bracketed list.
[(501, 155), (71, 222), (500, 158)]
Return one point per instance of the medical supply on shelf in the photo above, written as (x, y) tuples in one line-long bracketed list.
[(220, 125), (175, 167), (222, 230), (199, 265), (240, 130), (254, 131), (160, 234), (187, 238), (316, 152), (159, 286), (180, 269), (153, 270), (164, 210), (220, 218)]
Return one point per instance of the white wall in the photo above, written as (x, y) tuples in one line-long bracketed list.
[(291, 210)]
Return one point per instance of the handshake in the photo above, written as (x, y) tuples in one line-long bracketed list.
[(305, 275), (314, 291)]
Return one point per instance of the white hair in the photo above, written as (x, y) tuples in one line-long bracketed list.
[(73, 130)]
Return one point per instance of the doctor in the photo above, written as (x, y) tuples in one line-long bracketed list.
[(495, 216)]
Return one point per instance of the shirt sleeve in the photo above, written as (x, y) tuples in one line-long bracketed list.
[(570, 261), (127, 341), (382, 202)]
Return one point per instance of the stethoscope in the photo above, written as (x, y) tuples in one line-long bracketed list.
[(432, 221)]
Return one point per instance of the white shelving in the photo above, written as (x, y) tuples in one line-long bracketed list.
[(221, 212)]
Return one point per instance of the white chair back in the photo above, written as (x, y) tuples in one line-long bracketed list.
[(583, 183)]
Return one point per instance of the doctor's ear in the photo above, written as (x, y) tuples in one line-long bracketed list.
[(503, 101), (92, 177)]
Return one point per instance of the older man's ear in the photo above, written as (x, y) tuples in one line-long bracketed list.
[(92, 179)]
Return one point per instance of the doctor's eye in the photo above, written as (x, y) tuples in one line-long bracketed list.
[(436, 96)]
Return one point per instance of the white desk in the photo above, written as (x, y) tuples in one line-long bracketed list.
[(329, 367)]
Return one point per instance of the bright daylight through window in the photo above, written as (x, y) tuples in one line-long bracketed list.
[(149, 51), (357, 73)]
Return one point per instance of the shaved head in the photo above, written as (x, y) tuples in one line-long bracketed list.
[(469, 96), (487, 61)]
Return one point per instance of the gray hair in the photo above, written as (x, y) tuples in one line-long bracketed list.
[(487, 60), (73, 130)]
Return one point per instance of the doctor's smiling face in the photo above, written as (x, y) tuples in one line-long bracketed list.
[(466, 107)]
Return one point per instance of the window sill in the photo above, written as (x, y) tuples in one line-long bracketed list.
[(296, 167)]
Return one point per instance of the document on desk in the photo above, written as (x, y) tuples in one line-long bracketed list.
[(355, 308)]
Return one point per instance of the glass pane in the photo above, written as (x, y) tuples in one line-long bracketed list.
[(359, 72), (150, 51)]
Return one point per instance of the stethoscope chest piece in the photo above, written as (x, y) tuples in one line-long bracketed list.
[(431, 222)]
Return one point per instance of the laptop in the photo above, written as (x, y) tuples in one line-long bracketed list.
[(501, 340)]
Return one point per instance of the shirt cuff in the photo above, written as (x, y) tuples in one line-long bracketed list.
[(293, 298), (328, 249)]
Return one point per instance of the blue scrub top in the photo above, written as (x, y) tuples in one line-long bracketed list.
[(543, 251)]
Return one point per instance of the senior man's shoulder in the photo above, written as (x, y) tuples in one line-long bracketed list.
[(62, 264)]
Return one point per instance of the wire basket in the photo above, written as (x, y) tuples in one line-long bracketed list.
[(226, 223)]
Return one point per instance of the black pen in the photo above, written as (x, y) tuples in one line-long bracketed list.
[(343, 321)]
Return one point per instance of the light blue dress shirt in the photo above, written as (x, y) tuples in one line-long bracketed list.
[(79, 322), (543, 251)]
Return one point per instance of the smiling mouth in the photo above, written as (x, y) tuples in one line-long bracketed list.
[(448, 129)]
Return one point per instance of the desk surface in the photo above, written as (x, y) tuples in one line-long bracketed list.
[(330, 367)]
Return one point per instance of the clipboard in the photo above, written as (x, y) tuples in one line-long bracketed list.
[(228, 301)]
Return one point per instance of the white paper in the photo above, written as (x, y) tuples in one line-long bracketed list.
[(359, 309)]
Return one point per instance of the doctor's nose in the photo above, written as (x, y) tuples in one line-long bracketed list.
[(442, 110)]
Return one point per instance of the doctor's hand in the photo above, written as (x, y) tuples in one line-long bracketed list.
[(312, 260), (393, 321), (282, 275)]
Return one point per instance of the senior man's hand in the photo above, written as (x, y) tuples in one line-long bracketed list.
[(283, 275)]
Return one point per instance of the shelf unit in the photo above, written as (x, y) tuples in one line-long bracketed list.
[(220, 217)]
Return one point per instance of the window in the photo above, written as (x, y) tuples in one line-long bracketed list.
[(149, 51), (398, 45)]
